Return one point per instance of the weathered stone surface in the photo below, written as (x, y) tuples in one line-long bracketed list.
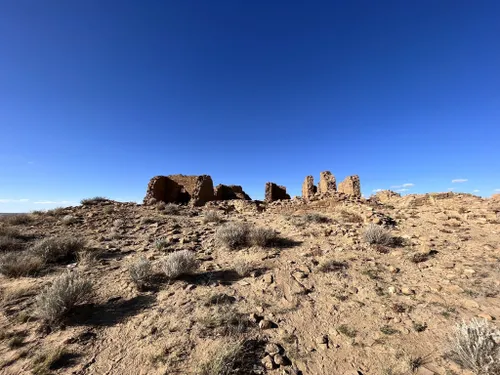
[(308, 188), (386, 195), (197, 190), (275, 192), (351, 186), (327, 183), (228, 192)]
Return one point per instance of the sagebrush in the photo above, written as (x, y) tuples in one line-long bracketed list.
[(179, 263), (376, 235), (56, 300), (475, 345)]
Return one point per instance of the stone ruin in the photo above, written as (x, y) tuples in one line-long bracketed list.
[(195, 190), (275, 192), (228, 192), (198, 190), (351, 186), (328, 186)]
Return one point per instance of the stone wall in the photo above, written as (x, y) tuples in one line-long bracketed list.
[(275, 192), (228, 192), (350, 186), (327, 183), (308, 188), (197, 190)]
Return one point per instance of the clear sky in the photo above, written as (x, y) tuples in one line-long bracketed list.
[(97, 97)]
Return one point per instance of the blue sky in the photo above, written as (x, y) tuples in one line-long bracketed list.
[(96, 97)]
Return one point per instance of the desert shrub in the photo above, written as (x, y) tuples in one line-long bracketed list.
[(314, 217), (212, 216), (20, 264), (262, 236), (171, 209), (58, 211), (161, 243), (56, 300), (58, 249), (351, 217), (243, 268), (140, 271), (69, 219), (232, 235), (224, 320), (93, 201), (18, 219), (179, 263), (10, 232), (332, 266), (376, 235), (475, 345), (8, 243)]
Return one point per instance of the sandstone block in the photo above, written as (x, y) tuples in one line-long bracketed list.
[(196, 190), (327, 183), (308, 188), (228, 192), (275, 192), (351, 186)]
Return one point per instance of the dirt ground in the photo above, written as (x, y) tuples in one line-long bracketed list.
[(332, 303)]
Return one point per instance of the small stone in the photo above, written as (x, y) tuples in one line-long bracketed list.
[(254, 318), (407, 291), (486, 316), (471, 304), (393, 269), (268, 362), (469, 271), (268, 278), (265, 324), (272, 349), (322, 339), (280, 360), (448, 265), (392, 289), (323, 346)]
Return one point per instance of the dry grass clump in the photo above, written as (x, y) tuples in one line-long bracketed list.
[(212, 216), (237, 235), (475, 345), (46, 362), (8, 243), (262, 236), (20, 264), (93, 201), (140, 271), (377, 235), (171, 209), (351, 217), (332, 266), (56, 300), (314, 217), (56, 212), (224, 360), (18, 219), (233, 235), (58, 249), (179, 263), (223, 320), (244, 267)]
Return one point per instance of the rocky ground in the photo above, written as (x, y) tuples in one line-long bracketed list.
[(321, 300)]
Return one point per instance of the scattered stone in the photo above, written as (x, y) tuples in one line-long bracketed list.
[(268, 362), (407, 291), (272, 349), (486, 316), (265, 324), (268, 278), (392, 290), (280, 360)]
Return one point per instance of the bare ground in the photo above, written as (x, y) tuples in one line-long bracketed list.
[(331, 302)]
